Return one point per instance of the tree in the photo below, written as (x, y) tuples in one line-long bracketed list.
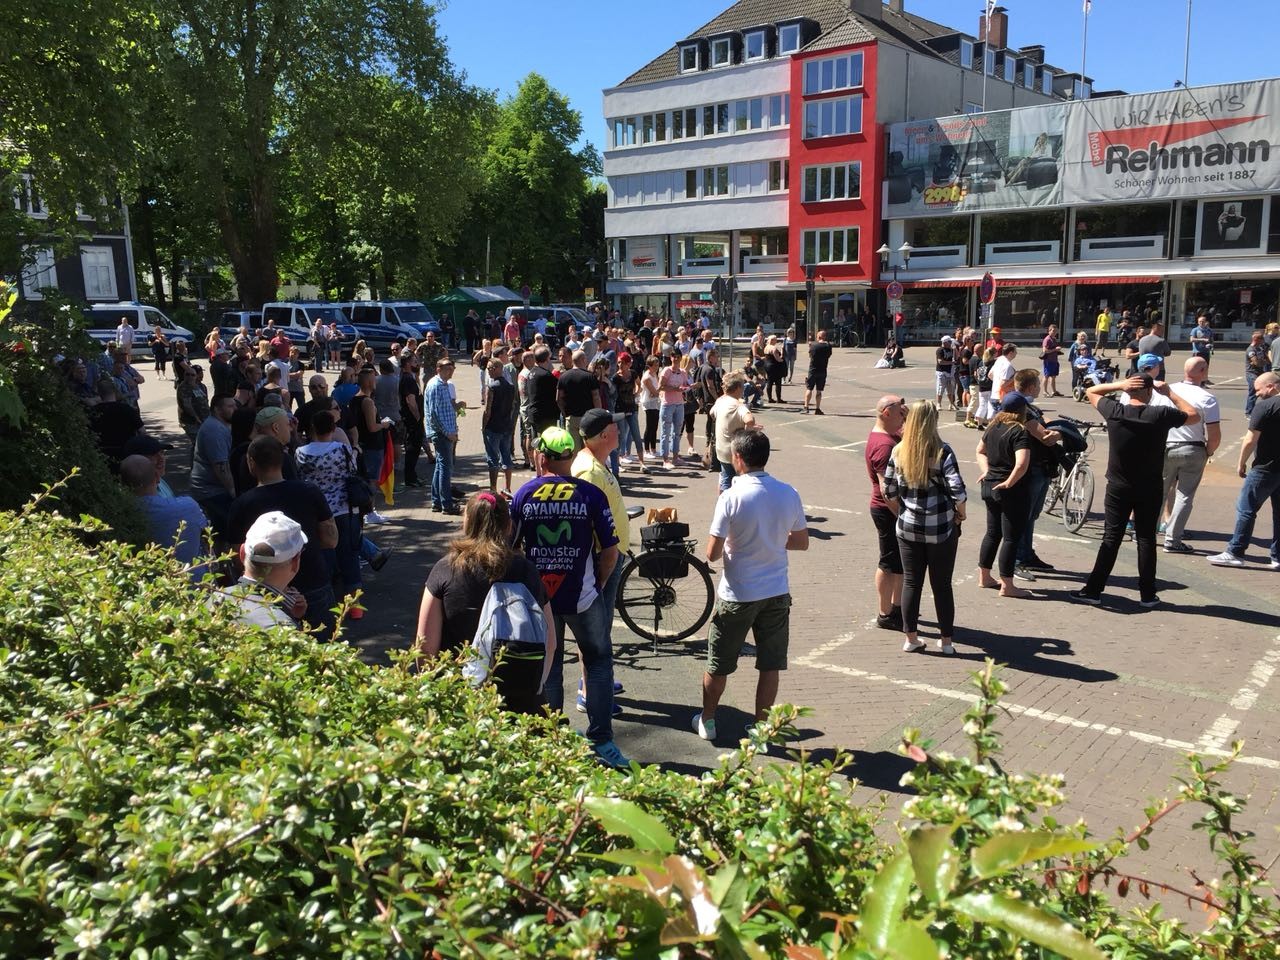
[(535, 182)]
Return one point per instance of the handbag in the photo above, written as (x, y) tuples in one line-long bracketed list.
[(359, 493)]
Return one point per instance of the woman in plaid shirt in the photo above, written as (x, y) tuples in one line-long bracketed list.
[(924, 488)]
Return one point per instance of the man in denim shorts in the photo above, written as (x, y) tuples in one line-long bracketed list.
[(757, 520)]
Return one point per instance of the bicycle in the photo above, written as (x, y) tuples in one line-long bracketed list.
[(847, 336), (651, 602), (1074, 483)]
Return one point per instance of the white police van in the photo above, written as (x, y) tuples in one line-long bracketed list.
[(295, 318), (103, 320), (379, 323)]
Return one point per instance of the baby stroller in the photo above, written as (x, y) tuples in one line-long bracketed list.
[(1092, 374)]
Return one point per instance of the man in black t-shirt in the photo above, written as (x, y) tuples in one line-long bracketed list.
[(301, 502), (544, 411), (1262, 482), (816, 380), (1136, 431), (411, 419), (112, 420), (578, 392), (709, 386)]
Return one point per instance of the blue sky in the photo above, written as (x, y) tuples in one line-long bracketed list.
[(583, 46)]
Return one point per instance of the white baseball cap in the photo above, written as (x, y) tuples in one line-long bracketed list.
[(273, 538)]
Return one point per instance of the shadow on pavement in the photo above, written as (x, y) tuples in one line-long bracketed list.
[(1029, 655)]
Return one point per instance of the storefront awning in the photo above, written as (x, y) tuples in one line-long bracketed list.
[(1024, 282)]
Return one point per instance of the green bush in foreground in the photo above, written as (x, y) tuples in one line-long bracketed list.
[(174, 785)]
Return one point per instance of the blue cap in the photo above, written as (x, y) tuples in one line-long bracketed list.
[(1149, 361), (1013, 403)]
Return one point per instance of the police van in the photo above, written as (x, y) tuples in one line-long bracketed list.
[(103, 319), (295, 318), (379, 323)]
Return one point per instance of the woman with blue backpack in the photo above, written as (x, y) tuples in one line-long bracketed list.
[(487, 598)]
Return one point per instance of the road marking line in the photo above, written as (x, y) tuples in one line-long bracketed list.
[(1219, 733), (815, 509), (843, 448), (1259, 677), (1205, 746), (790, 423), (1223, 383)]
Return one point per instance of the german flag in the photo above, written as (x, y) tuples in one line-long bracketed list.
[(387, 475)]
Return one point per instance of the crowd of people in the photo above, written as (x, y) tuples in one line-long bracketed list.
[(288, 481)]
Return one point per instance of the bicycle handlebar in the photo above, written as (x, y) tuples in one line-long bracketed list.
[(1082, 425)]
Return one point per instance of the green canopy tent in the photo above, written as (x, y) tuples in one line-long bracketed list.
[(482, 300)]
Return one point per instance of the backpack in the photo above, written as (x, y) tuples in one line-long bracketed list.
[(511, 620)]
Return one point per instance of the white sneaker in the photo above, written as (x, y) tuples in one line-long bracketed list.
[(707, 731), (1227, 559), (627, 460), (1275, 564), (946, 647), (913, 646), (373, 518)]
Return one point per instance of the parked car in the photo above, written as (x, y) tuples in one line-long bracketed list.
[(558, 319), (104, 318)]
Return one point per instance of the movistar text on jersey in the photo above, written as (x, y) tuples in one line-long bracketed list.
[(1120, 158)]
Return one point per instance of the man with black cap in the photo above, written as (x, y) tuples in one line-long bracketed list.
[(142, 445), (1137, 432)]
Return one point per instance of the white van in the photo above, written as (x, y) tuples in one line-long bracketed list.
[(104, 318), (561, 318), (296, 318)]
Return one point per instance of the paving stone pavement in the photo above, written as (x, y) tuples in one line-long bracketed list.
[(1112, 697)]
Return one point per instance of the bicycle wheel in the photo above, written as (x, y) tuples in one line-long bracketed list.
[(665, 594), (1078, 497), (855, 341)]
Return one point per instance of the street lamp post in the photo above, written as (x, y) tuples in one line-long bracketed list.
[(810, 314), (904, 253)]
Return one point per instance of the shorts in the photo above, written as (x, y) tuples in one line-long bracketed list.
[(1050, 368), (1103, 337), (887, 532), (816, 380), (769, 622), (942, 381)]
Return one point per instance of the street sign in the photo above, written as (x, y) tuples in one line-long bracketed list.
[(986, 313), (894, 291), (895, 306), (987, 289), (589, 293), (719, 290)]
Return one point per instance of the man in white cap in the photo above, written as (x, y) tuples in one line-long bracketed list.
[(272, 553)]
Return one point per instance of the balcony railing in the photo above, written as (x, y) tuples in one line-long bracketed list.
[(925, 258), (1123, 248), (704, 266), (772, 263), (1022, 251)]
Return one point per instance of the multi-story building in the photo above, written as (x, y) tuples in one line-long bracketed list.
[(1160, 204), (753, 148)]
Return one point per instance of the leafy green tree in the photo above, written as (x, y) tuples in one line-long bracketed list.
[(535, 185)]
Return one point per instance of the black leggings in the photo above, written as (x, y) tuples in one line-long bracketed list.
[(939, 559), (1123, 502), (650, 431), (775, 372), (1007, 514)]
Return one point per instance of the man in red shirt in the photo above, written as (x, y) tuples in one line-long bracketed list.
[(996, 342), (511, 332), (891, 414)]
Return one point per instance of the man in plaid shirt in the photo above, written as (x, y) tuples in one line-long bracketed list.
[(441, 420)]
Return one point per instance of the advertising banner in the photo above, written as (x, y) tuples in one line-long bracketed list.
[(1175, 143), (1003, 160), (644, 257)]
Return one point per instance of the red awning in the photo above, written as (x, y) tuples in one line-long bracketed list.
[(1002, 282)]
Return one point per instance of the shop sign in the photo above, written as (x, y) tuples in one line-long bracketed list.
[(1185, 143), (1175, 143), (694, 305), (1246, 297), (644, 257)]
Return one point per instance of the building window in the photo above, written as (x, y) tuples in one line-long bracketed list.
[(660, 127), (843, 181), (27, 199), (966, 54), (740, 116), (756, 112), (646, 128), (789, 38), (618, 133), (833, 118), (973, 108), (688, 58), (833, 73), (779, 107), (99, 268), (1029, 76), (830, 246), (715, 182), (754, 45), (1081, 90), (722, 118), (39, 274), (779, 174), (1010, 68), (989, 62), (630, 131), (677, 125), (721, 51), (691, 184), (1046, 82)]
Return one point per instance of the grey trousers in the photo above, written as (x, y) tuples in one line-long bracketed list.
[(1183, 467)]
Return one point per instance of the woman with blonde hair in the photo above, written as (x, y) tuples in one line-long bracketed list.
[(1004, 454), (456, 590), (923, 486)]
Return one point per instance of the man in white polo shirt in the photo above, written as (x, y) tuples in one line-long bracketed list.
[(757, 520), (1187, 450)]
